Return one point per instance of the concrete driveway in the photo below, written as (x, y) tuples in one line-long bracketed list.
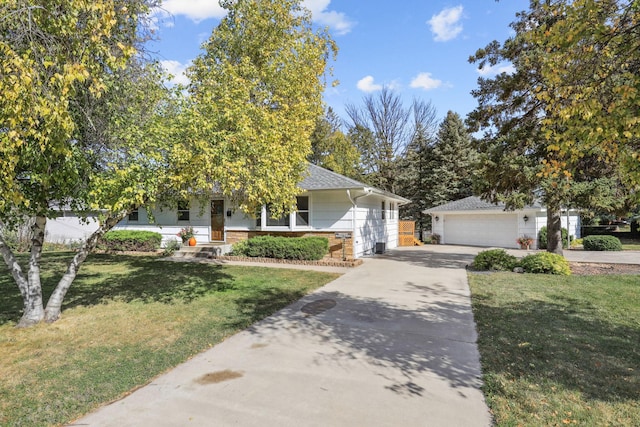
[(390, 343)]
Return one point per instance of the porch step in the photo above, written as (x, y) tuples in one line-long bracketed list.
[(202, 251), (417, 242)]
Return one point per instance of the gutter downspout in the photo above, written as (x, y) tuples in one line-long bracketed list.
[(354, 202)]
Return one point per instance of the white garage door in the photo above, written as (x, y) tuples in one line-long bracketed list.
[(481, 230)]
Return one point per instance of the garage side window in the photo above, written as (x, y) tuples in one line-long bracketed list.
[(384, 210)]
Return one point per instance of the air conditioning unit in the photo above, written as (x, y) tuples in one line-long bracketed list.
[(381, 247)]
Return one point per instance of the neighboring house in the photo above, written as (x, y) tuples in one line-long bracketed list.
[(68, 228), (330, 204), (475, 222)]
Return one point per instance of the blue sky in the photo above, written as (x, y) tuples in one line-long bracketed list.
[(418, 48)]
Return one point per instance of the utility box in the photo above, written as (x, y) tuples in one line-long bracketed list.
[(381, 247)]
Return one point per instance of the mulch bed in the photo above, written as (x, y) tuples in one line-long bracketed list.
[(590, 269)]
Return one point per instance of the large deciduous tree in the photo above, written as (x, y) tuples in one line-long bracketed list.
[(591, 73), (382, 128), (79, 125), (331, 149), (256, 92), (415, 166), (522, 149)]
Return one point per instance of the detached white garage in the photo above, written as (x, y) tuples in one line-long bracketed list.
[(474, 222), (481, 230)]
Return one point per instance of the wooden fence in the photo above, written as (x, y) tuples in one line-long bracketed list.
[(406, 234)]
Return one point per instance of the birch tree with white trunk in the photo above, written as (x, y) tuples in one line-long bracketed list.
[(84, 119)]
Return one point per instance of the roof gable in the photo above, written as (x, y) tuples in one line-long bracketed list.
[(319, 178)]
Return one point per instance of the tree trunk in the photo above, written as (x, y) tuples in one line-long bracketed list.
[(54, 305), (554, 230), (31, 298)]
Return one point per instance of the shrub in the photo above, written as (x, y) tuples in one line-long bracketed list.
[(601, 243), (434, 239), (542, 238), (545, 263), (171, 247), (300, 248), (494, 259), (130, 240)]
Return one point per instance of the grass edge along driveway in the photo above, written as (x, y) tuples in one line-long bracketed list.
[(559, 350), (126, 320)]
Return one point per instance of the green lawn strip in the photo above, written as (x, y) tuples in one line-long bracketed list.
[(629, 244), (126, 320), (559, 350)]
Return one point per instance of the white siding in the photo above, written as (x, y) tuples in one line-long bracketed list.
[(69, 228), (167, 224), (371, 228), (331, 210)]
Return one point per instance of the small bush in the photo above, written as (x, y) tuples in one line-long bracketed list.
[(542, 238), (601, 243), (300, 248), (494, 259), (545, 263), (433, 239), (130, 240), (171, 247)]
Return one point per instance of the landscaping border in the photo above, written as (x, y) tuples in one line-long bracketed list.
[(320, 263)]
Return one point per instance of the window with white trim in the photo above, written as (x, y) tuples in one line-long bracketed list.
[(384, 210), (300, 218), (283, 221), (133, 215), (392, 210), (183, 210), (302, 211)]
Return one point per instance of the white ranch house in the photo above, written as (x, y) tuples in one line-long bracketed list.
[(474, 222), (330, 205)]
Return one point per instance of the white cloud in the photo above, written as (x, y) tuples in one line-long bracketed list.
[(445, 25), (489, 70), (196, 10), (366, 84), (199, 10), (337, 21), (425, 81), (176, 69)]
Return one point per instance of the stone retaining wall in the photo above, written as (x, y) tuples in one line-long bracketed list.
[(322, 263)]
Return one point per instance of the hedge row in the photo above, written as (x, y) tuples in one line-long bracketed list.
[(601, 243), (500, 260), (301, 248), (130, 240)]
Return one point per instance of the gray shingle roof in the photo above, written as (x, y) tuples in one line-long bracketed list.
[(324, 179), (319, 178), (473, 203)]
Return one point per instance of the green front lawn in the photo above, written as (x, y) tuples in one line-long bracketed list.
[(559, 350), (126, 320)]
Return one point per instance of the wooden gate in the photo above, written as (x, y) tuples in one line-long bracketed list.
[(406, 237)]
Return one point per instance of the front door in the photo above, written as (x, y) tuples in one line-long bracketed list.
[(217, 220)]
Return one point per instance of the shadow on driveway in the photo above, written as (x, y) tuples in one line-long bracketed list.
[(429, 258)]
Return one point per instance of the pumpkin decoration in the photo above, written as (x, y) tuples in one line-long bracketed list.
[(192, 241)]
